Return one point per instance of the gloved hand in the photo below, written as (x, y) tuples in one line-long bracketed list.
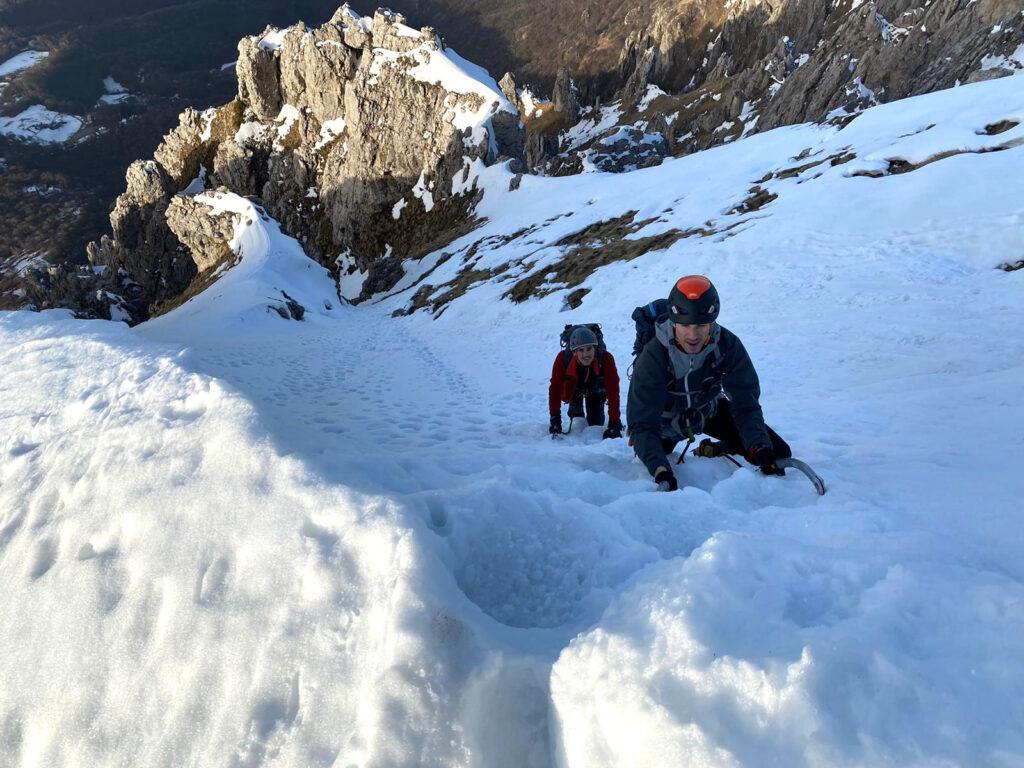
[(707, 449), (556, 425), (666, 480), (765, 457), (614, 431)]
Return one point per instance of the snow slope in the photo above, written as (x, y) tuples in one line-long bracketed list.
[(233, 539)]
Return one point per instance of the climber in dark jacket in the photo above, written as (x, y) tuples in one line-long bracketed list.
[(580, 376), (695, 377)]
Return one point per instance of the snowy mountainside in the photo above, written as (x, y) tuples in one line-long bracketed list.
[(237, 539), (537, 242)]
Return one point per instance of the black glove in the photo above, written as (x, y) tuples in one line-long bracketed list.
[(556, 425), (614, 431), (765, 457), (666, 480), (709, 449)]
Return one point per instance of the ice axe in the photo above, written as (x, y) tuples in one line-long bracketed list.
[(811, 475), (709, 449), (556, 435)]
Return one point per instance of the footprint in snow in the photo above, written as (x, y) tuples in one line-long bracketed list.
[(325, 540), (269, 715), (43, 558), (211, 583), (21, 449)]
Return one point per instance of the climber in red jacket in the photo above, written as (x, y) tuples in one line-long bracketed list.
[(582, 377)]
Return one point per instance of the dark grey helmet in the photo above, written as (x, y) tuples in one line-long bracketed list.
[(582, 337)]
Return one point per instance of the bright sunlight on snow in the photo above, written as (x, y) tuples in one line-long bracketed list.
[(228, 538)]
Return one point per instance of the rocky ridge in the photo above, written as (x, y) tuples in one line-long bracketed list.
[(706, 72), (360, 137)]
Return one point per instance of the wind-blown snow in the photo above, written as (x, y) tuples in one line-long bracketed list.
[(421, 190), (531, 104), (350, 279), (649, 96), (591, 126), (269, 263), (21, 62), (227, 538), (208, 115), (428, 63), (329, 131), (110, 85), (286, 118), (273, 40)]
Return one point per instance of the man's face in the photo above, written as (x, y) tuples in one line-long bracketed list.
[(585, 355), (692, 338)]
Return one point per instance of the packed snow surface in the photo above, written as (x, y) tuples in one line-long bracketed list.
[(227, 538)]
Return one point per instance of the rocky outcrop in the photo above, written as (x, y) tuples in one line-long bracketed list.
[(893, 49), (733, 68), (361, 137), (145, 258), (206, 235), (565, 98), (636, 85)]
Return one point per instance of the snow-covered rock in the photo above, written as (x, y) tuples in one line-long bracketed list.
[(363, 110)]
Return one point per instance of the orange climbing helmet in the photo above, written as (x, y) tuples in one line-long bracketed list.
[(693, 301)]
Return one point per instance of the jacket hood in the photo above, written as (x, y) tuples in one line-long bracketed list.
[(683, 363)]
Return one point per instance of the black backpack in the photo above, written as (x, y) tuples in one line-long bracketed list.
[(563, 340), (645, 318)]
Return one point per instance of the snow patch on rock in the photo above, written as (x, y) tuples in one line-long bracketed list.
[(21, 62), (39, 125)]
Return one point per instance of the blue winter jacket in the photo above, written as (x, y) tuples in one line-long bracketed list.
[(673, 394)]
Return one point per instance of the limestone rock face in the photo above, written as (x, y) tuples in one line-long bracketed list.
[(206, 236), (895, 49), (508, 87), (363, 137), (564, 98), (144, 256), (636, 85), (735, 67)]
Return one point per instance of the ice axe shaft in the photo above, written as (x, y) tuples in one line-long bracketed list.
[(813, 476)]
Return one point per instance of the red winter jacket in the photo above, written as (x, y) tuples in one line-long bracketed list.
[(564, 380)]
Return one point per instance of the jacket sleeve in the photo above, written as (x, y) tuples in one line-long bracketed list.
[(744, 390), (611, 385), (647, 394), (555, 387)]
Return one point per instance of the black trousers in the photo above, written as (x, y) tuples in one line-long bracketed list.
[(594, 404), (723, 427)]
